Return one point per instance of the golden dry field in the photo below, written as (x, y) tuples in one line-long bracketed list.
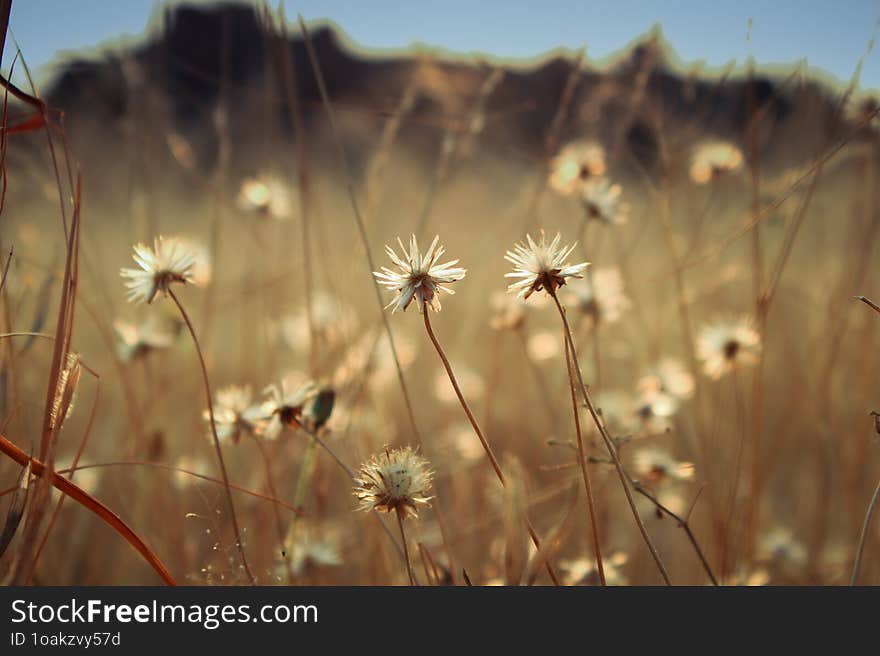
[(226, 191)]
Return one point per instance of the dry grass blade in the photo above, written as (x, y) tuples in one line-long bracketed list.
[(553, 542), (867, 301), (516, 549), (88, 501), (6, 269), (16, 508), (362, 230)]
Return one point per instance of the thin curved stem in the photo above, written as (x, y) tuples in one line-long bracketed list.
[(684, 524), (582, 458), (217, 448), (359, 220), (351, 474), (470, 415), (409, 569), (863, 538), (176, 470), (279, 523), (88, 501), (609, 444)]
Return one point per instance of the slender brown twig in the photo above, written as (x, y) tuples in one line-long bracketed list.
[(857, 564), (488, 449), (609, 444), (362, 229), (409, 568), (683, 523), (582, 460), (238, 540)]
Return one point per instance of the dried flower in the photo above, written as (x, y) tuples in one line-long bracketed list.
[(713, 158), (779, 546), (266, 195), (576, 164), (395, 480), (670, 377), (166, 263), (750, 578), (602, 202), (234, 414), (727, 345), (420, 276), (583, 570), (659, 467), (285, 404), (136, 340), (510, 312), (654, 410), (541, 266), (308, 548), (333, 322), (601, 296), (371, 356)]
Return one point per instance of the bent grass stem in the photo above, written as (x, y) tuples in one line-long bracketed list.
[(217, 448), (489, 454), (609, 444), (582, 458)]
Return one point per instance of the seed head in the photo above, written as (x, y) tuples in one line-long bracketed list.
[(541, 266), (419, 276), (394, 480), (169, 261)]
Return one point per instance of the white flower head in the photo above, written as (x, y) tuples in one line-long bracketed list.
[(541, 266), (728, 345), (509, 312), (659, 467), (332, 321), (419, 276), (309, 549), (136, 340), (669, 376), (654, 411), (234, 415), (714, 158), (582, 571), (602, 202), (395, 480), (575, 165), (602, 296), (169, 261), (779, 545), (266, 195), (283, 407)]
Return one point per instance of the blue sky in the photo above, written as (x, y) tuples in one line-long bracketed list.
[(831, 36)]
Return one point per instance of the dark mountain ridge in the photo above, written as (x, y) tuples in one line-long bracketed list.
[(229, 56)]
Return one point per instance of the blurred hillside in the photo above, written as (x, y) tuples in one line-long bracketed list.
[(230, 60)]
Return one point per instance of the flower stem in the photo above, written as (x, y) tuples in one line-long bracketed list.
[(492, 459), (238, 540), (609, 444), (348, 470), (409, 569), (582, 458), (864, 536)]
